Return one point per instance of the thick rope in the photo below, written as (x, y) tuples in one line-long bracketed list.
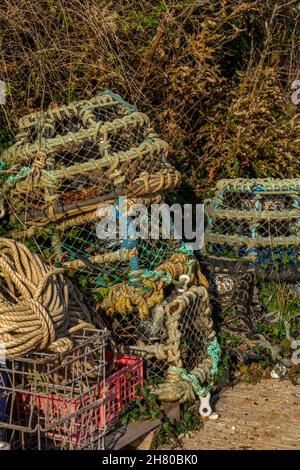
[(33, 300), (39, 310), (145, 289)]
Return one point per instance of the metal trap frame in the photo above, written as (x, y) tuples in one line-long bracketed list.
[(56, 401)]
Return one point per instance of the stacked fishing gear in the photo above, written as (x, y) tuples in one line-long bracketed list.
[(251, 258), (79, 166)]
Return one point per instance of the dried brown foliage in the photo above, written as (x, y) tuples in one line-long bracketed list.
[(214, 75)]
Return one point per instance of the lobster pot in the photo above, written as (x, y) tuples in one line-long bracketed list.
[(257, 314), (69, 167), (56, 400), (256, 220), (176, 333), (132, 273), (67, 160)]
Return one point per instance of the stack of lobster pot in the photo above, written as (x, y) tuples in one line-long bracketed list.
[(251, 256)]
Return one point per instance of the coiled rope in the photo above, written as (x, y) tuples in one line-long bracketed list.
[(33, 300)]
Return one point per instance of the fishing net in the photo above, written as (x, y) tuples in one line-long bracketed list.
[(256, 220)]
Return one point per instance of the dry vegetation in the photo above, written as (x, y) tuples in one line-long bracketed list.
[(214, 75)]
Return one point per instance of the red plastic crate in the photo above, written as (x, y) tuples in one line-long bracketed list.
[(73, 418), (121, 386)]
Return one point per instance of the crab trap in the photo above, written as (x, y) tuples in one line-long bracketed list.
[(176, 339), (68, 160), (257, 221), (69, 166), (56, 401)]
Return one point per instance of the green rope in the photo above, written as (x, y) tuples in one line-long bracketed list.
[(131, 107), (198, 389), (20, 175), (186, 249), (214, 351), (152, 275)]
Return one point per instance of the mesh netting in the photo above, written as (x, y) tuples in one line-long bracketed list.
[(66, 164), (177, 332), (67, 160), (256, 220), (235, 305)]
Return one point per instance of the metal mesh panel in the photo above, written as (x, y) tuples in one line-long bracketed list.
[(56, 400)]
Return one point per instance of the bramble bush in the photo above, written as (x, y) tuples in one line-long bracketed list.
[(214, 76)]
